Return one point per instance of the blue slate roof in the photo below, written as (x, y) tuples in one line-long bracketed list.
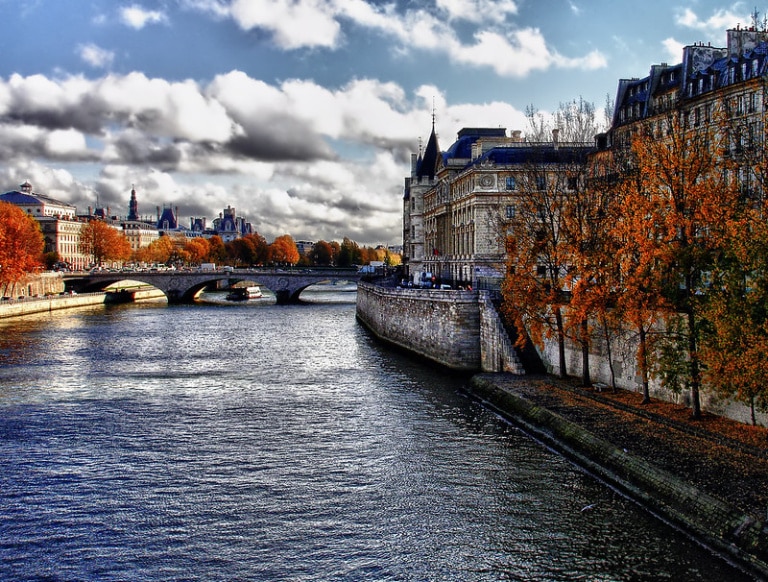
[(534, 154), (23, 198)]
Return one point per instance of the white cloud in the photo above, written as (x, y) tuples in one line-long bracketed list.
[(296, 24), (263, 148), (477, 10), (307, 23), (95, 55), (719, 21), (673, 48), (137, 17)]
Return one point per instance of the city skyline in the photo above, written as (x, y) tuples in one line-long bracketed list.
[(301, 114)]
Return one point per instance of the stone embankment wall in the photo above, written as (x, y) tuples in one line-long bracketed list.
[(39, 284), (623, 361), (457, 329), (19, 307)]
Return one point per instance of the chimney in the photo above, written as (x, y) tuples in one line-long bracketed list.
[(555, 133)]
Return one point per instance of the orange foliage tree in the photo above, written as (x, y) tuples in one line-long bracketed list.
[(251, 249), (198, 249), (21, 244), (735, 339), (104, 242), (283, 250), (158, 251), (589, 211), (684, 202)]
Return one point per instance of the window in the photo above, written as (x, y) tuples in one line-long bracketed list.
[(510, 211), (573, 183), (541, 183), (510, 183)]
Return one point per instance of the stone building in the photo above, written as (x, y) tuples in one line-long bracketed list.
[(457, 203), (58, 222)]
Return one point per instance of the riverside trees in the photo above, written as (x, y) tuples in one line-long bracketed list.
[(669, 242), (104, 242), (21, 244)]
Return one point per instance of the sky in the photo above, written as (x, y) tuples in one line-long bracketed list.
[(300, 114)]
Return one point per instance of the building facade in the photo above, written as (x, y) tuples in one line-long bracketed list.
[(457, 212)]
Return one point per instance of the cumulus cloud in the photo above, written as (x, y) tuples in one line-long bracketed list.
[(138, 17), (95, 56), (714, 25), (235, 140), (307, 23), (497, 42), (673, 48)]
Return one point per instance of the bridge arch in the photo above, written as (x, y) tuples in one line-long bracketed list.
[(182, 286)]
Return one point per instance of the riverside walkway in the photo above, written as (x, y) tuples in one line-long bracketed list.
[(708, 477)]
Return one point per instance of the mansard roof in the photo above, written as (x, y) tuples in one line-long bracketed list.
[(167, 220), (535, 153), (462, 147), (704, 69)]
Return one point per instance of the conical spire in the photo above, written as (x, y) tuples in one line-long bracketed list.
[(429, 161)]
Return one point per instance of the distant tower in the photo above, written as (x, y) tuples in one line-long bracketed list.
[(133, 206)]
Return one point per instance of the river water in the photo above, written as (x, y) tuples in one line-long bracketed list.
[(263, 442)]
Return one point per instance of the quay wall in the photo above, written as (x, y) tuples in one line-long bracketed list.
[(457, 329), (20, 307), (32, 305)]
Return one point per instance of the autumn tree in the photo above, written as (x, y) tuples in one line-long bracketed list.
[(684, 201), (322, 254), (158, 251), (534, 287), (198, 249), (103, 242), (589, 210), (735, 337), (250, 249), (21, 244), (218, 252), (283, 250)]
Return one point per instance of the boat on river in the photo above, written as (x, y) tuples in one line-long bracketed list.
[(244, 293)]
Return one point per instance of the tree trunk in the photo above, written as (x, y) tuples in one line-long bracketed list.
[(560, 341), (609, 353), (585, 380), (643, 357), (694, 358)]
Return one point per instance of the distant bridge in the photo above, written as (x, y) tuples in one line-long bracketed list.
[(182, 286)]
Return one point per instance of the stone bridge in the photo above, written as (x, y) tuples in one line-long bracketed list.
[(182, 286)]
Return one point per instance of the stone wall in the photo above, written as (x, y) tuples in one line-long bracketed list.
[(622, 359), (39, 284), (457, 329)]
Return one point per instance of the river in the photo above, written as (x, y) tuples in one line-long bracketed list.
[(263, 442)]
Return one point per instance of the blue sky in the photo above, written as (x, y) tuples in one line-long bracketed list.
[(300, 114)]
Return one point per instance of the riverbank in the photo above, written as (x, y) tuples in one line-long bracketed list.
[(706, 477), (32, 305)]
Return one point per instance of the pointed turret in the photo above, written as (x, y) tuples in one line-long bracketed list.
[(429, 161)]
